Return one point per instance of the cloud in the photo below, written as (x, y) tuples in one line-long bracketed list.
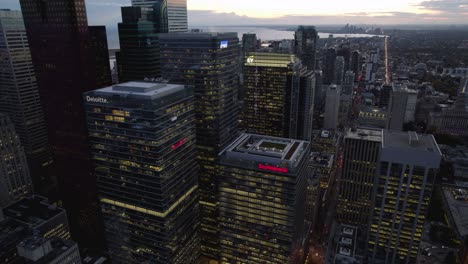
[(445, 6)]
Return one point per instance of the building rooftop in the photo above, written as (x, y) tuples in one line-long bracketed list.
[(269, 59), (321, 160), (364, 134), (146, 90), (41, 250), (410, 140), (32, 211), (457, 201), (280, 152)]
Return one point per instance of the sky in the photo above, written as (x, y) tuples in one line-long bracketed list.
[(294, 12)]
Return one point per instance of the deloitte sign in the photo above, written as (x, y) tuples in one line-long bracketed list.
[(96, 99)]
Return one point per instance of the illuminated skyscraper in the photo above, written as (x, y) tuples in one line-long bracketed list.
[(209, 62), (19, 97), (279, 96), (262, 187), (360, 157), (172, 14), (142, 137), (15, 181), (406, 171)]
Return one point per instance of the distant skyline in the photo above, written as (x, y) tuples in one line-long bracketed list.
[(248, 12)]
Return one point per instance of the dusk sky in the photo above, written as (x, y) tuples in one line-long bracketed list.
[(247, 12)]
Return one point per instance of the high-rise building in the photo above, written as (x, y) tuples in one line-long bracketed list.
[(356, 66), (332, 107), (406, 171), (360, 157), (100, 49), (39, 250), (38, 217), (19, 97), (345, 52), (402, 106), (138, 58), (15, 181), (279, 94), (262, 186), (249, 42), (306, 38), (348, 83), (172, 14), (64, 60), (142, 137), (329, 66), (385, 93), (339, 70), (209, 62)]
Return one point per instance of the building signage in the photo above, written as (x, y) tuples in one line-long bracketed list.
[(223, 44), (96, 99), (272, 168), (178, 144), (250, 59)]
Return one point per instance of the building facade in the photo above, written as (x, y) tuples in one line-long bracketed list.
[(209, 62), (279, 96), (406, 172), (15, 181), (19, 96), (172, 14), (360, 157), (305, 40), (332, 107), (142, 137), (402, 106), (262, 187), (138, 57), (64, 60)]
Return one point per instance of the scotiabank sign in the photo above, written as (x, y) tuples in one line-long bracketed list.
[(96, 99), (272, 168)]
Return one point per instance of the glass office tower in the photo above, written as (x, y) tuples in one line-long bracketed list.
[(15, 181), (209, 62), (19, 97), (305, 43), (262, 187), (406, 172), (142, 137), (138, 57), (279, 94), (172, 13)]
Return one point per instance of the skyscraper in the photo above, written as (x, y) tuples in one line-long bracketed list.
[(19, 97), (332, 107), (339, 70), (262, 186), (100, 50), (306, 45), (279, 94), (360, 157), (209, 62), (15, 181), (249, 42), (142, 137), (329, 66), (348, 83), (402, 106), (138, 57), (356, 63), (64, 60), (406, 172), (172, 14)]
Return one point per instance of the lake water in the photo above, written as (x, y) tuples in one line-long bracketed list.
[(263, 33)]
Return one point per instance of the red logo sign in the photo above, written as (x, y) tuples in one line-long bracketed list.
[(272, 168), (178, 144)]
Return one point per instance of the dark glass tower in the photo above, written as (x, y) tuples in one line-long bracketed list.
[(142, 137), (19, 98), (65, 67), (262, 187), (172, 14), (329, 66), (209, 62), (138, 57), (98, 39), (279, 94), (306, 45), (15, 181)]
